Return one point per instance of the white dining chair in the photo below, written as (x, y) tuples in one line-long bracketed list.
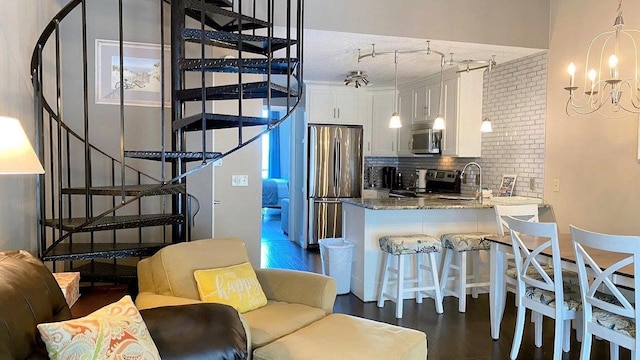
[(542, 293), (528, 212), (613, 317)]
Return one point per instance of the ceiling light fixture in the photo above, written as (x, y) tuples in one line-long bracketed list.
[(605, 86), (394, 122), (486, 123), (439, 122), (357, 78)]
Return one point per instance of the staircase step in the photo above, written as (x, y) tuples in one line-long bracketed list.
[(116, 222), (84, 251), (250, 43), (218, 121), (249, 66), (129, 190), (255, 90), (221, 3), (105, 272), (171, 155), (222, 19)]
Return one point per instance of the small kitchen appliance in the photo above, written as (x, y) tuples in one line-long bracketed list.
[(421, 180)]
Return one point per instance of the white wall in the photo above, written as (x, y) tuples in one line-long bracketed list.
[(594, 158), (21, 22)]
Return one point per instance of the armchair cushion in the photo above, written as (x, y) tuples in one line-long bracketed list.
[(236, 286), (197, 331)]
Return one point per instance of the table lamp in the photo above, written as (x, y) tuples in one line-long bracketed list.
[(16, 153)]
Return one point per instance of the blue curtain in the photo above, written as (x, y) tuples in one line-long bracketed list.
[(274, 151)]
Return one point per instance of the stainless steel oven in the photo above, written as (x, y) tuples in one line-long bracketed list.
[(425, 140)]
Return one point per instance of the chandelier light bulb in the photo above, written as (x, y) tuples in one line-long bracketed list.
[(592, 76), (572, 70), (613, 65)]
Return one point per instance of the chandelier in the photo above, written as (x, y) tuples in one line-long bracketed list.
[(609, 89), (357, 77)]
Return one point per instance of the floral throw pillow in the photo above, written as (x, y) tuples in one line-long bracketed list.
[(116, 331)]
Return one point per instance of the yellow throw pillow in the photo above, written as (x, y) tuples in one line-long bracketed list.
[(116, 331), (236, 286)]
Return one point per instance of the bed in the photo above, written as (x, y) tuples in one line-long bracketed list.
[(273, 191)]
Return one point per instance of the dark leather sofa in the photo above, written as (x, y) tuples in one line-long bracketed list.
[(29, 295)]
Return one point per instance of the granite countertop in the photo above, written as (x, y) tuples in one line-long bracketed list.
[(433, 202)]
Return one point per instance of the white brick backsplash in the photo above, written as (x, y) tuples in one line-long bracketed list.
[(517, 110)]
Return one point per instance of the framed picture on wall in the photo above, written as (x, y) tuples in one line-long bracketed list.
[(507, 185), (142, 73)]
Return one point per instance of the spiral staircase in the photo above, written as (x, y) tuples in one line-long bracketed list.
[(103, 203)]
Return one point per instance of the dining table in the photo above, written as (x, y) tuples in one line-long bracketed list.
[(501, 246)]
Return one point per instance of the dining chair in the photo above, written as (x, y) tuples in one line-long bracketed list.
[(528, 212), (544, 294), (611, 317)]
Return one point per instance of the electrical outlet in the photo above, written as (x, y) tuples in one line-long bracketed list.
[(532, 184), (556, 185), (239, 180)]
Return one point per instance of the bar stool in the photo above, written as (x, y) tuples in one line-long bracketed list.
[(401, 246), (458, 245)]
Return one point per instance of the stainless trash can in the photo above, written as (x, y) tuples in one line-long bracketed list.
[(336, 255)]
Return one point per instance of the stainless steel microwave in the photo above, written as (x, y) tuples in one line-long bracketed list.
[(425, 140)]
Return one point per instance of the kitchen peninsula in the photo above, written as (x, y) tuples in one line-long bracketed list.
[(365, 220)]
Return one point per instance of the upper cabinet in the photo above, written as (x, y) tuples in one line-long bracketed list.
[(330, 104), (462, 114), (384, 141), (407, 111)]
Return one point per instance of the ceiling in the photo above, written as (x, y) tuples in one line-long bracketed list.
[(330, 56)]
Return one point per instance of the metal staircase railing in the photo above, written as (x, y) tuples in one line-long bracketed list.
[(92, 202)]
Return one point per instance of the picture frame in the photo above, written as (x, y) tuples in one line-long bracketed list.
[(507, 185), (142, 77)]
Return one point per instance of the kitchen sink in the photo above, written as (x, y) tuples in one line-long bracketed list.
[(455, 197)]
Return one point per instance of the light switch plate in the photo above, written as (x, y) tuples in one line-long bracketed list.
[(239, 180)]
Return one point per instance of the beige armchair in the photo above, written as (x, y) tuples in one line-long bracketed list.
[(295, 298)]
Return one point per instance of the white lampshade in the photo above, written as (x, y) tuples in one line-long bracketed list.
[(16, 153), (394, 122), (438, 123), (486, 126)]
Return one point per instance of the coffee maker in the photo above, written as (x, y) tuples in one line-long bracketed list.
[(389, 177)]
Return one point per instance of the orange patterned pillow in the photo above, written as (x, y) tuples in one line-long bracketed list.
[(116, 331)]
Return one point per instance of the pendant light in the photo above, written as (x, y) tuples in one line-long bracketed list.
[(438, 123), (486, 123), (394, 122)]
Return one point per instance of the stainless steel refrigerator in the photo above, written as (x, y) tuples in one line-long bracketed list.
[(334, 172)]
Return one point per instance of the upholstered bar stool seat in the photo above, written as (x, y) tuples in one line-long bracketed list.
[(458, 245), (399, 247)]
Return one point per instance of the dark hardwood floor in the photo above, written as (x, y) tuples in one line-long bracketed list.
[(450, 336)]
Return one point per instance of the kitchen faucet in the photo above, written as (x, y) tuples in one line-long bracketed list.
[(479, 191)]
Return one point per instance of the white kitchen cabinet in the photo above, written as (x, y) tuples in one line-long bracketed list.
[(463, 114), (333, 104), (406, 111), (384, 141)]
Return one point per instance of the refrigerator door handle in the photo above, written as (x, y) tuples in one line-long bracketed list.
[(339, 164), (336, 169)]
